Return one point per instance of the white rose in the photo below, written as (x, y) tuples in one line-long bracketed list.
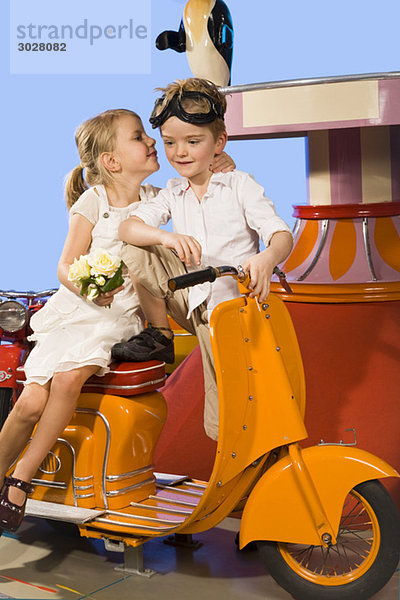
[(80, 269), (103, 263), (92, 293), (100, 280)]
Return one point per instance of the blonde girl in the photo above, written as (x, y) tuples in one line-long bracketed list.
[(74, 337)]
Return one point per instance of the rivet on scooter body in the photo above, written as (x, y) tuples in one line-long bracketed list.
[(219, 483), (244, 427), (250, 397), (277, 348), (233, 454), (246, 339), (250, 368), (326, 538), (9, 370), (265, 306), (267, 316)]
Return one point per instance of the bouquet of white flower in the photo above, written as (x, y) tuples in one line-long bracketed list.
[(96, 272)]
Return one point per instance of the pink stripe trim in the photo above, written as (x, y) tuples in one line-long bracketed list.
[(345, 166)]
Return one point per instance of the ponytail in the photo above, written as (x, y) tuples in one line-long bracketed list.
[(75, 185)]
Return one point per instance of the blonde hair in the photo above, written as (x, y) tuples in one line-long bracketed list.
[(195, 84), (93, 137)]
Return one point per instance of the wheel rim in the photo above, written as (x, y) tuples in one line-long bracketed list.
[(357, 546)]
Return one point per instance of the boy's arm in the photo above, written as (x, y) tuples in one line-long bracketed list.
[(136, 232), (260, 266)]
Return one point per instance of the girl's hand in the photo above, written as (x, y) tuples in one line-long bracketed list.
[(260, 268), (222, 163), (107, 298), (185, 246)]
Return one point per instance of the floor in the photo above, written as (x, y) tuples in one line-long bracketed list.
[(41, 563)]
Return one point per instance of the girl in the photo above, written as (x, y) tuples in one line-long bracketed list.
[(74, 337)]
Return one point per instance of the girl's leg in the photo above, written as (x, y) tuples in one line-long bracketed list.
[(64, 392), (20, 423)]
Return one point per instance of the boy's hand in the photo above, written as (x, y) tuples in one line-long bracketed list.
[(185, 246), (222, 163), (260, 268)]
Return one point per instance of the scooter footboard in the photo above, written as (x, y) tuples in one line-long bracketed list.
[(278, 508)]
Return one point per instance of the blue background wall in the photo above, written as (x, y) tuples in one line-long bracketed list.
[(273, 40)]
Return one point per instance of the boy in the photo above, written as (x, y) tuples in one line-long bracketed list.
[(218, 219)]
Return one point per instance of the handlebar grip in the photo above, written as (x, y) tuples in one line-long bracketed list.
[(192, 278)]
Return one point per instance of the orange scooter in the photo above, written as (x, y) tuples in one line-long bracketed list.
[(325, 528)]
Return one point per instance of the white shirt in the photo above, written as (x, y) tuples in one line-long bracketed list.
[(228, 223)]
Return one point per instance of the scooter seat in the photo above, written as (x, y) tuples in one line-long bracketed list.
[(123, 379)]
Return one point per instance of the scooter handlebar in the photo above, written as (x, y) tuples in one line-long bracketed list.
[(211, 274), (192, 278)]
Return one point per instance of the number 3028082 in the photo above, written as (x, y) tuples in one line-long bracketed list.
[(42, 47)]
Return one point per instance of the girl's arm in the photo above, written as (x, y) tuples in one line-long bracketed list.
[(78, 241), (134, 231), (222, 163)]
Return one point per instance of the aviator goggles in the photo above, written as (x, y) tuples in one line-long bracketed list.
[(174, 108)]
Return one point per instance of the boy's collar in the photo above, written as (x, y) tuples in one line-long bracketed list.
[(182, 184)]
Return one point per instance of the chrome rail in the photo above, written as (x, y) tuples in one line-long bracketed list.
[(285, 83)]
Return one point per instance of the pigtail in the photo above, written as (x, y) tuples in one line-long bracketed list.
[(75, 185)]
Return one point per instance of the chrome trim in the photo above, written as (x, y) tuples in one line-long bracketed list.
[(183, 334), (128, 475), (125, 490), (84, 478), (29, 295), (171, 501), (92, 411), (84, 487), (325, 227), (172, 511), (250, 87), (142, 518), (60, 485), (202, 486), (296, 228), (162, 364), (179, 490), (124, 387), (62, 441), (49, 463), (85, 495), (367, 248), (132, 526)]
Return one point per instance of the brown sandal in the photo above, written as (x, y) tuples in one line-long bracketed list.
[(11, 515)]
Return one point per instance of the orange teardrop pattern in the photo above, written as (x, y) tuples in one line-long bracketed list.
[(387, 242), (343, 248), (303, 246)]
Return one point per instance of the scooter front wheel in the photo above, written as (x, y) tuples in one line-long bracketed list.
[(357, 566)]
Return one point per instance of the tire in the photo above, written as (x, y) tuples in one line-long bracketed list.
[(369, 530), (6, 404)]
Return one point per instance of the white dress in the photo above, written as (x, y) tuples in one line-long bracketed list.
[(71, 332)]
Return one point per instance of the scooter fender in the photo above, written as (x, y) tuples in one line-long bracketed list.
[(276, 509)]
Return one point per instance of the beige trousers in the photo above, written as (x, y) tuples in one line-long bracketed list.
[(152, 267)]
